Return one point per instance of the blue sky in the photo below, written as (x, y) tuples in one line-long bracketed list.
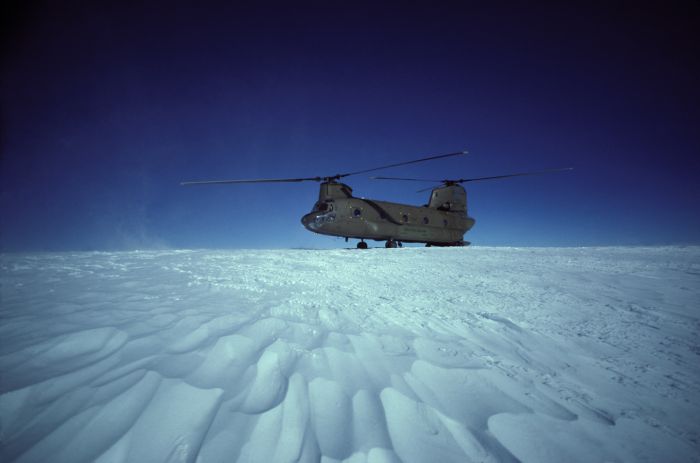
[(106, 108)]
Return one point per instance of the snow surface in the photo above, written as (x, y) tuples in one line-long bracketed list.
[(414, 354)]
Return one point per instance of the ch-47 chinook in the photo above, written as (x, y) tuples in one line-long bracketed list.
[(441, 222)]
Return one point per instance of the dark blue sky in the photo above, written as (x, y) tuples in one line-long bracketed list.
[(106, 107)]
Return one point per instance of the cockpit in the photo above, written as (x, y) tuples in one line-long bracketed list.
[(323, 206), (321, 215)]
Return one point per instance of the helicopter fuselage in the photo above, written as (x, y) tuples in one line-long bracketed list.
[(441, 222)]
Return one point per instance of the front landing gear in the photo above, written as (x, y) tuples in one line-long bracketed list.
[(362, 245)]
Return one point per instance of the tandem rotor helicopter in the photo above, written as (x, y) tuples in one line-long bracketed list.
[(441, 222)]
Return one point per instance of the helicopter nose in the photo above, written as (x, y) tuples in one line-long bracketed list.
[(307, 220), (315, 221)]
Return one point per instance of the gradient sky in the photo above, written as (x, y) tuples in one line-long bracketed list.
[(107, 106)]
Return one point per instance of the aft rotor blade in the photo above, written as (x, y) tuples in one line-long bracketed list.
[(259, 180), (429, 158), (429, 188), (463, 180), (406, 179)]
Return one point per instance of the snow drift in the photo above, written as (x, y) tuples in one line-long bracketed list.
[(474, 354)]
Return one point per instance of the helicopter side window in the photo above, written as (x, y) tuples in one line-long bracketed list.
[(404, 218), (425, 220), (323, 207), (444, 221), (357, 213)]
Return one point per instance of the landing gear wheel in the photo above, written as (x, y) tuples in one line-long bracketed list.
[(391, 244), (427, 245), (361, 245)]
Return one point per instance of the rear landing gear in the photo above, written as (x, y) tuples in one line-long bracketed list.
[(454, 243), (362, 245), (393, 244)]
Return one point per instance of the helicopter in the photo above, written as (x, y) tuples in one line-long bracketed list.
[(443, 221)]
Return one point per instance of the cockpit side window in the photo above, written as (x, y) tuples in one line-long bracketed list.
[(323, 207)]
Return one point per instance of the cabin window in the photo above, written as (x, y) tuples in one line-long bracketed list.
[(404, 218), (444, 221), (357, 212), (425, 220)]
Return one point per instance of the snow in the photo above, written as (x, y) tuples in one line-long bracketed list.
[(385, 355)]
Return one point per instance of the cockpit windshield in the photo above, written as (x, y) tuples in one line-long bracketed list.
[(323, 207)]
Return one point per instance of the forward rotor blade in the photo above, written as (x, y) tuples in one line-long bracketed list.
[(318, 179), (407, 179), (463, 180), (260, 180), (412, 180), (429, 158)]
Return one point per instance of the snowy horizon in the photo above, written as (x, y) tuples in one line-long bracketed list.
[(350, 246), (413, 354)]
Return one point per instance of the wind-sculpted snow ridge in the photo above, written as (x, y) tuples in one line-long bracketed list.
[(415, 355)]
